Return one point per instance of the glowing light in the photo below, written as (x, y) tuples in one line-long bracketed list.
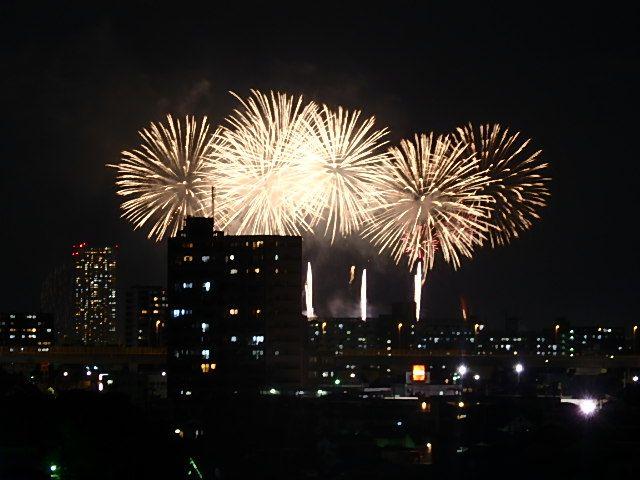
[(463, 308), (337, 381), (65, 374), (461, 404), (462, 370), (418, 373), (588, 406), (363, 296), (518, 368), (635, 378), (352, 274), (308, 293), (167, 177), (417, 289), (53, 468), (164, 374), (423, 406), (476, 377)]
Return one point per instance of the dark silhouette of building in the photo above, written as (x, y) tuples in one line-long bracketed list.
[(22, 330), (145, 316), (94, 311), (56, 298), (235, 306)]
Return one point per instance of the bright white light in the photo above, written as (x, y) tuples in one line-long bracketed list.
[(88, 372), (53, 468), (399, 423), (65, 374), (588, 406), (635, 378), (164, 374), (462, 369), (273, 391), (476, 377), (177, 431), (519, 368)]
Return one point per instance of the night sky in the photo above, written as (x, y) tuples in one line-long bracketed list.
[(79, 79)]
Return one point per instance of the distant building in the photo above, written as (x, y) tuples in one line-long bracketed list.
[(145, 316), (56, 298), (22, 330), (94, 313), (235, 311)]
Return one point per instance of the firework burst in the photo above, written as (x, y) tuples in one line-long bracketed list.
[(259, 173), (432, 201), (343, 151), (518, 186), (166, 177)]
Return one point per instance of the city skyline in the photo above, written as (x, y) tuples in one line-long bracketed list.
[(555, 270)]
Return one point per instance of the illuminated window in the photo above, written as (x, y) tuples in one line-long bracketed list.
[(418, 373), (276, 257), (233, 311), (232, 257), (256, 270), (205, 327), (187, 258), (206, 286), (206, 258), (205, 354), (204, 367), (233, 271), (234, 338), (187, 285)]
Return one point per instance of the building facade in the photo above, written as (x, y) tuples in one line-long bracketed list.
[(94, 313), (26, 330), (145, 316), (235, 311)]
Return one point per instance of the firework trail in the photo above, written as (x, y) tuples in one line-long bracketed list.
[(432, 201), (463, 308), (259, 172), (343, 149), (363, 296), (352, 274), (308, 293), (167, 177), (519, 182), (417, 289)]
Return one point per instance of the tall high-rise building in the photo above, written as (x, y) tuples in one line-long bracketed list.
[(235, 311), (94, 313), (145, 316)]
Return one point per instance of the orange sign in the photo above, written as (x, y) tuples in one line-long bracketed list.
[(418, 374)]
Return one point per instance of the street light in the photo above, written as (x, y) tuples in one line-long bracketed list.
[(476, 377), (462, 370), (588, 406), (519, 368)]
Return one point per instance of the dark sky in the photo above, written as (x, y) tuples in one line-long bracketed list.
[(79, 79)]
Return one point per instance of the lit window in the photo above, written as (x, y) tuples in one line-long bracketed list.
[(187, 285), (234, 338), (205, 354), (233, 311), (204, 367), (276, 257), (187, 258), (207, 286), (233, 271), (256, 270), (205, 327), (232, 257), (206, 258)]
